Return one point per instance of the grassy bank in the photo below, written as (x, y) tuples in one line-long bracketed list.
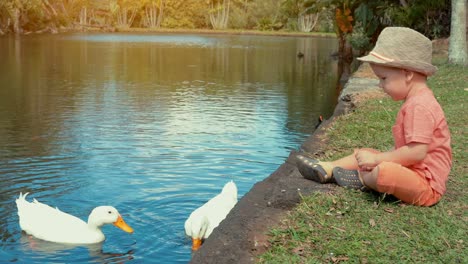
[(356, 227), (193, 31)]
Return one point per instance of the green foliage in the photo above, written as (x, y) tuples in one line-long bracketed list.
[(240, 17), (430, 17), (264, 24), (366, 25), (366, 19), (359, 39), (185, 14), (256, 14), (294, 8), (292, 25)]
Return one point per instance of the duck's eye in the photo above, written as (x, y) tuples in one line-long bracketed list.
[(110, 212)]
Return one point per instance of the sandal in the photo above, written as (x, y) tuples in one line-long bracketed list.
[(311, 170), (348, 178)]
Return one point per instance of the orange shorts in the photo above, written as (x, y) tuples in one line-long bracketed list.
[(405, 184)]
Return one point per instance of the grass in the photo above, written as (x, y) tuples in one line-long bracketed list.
[(356, 227)]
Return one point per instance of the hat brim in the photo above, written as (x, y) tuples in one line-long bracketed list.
[(421, 67)]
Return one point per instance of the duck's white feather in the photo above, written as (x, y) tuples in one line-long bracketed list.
[(51, 224), (207, 217)]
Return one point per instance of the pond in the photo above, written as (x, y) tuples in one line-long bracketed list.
[(152, 124)]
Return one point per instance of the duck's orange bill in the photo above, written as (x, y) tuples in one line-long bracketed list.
[(120, 223), (196, 243)]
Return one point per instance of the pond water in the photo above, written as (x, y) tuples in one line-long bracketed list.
[(153, 125)]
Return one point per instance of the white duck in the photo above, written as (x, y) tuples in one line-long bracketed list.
[(51, 224), (204, 219)]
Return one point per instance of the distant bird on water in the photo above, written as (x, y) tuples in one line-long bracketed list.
[(300, 54), (319, 121)]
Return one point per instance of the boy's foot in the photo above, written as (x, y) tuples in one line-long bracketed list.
[(312, 170), (348, 178)]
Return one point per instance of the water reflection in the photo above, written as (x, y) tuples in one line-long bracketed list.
[(80, 253), (152, 125)]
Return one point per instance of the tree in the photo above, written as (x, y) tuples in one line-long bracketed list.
[(153, 11), (219, 13), (124, 12), (458, 53)]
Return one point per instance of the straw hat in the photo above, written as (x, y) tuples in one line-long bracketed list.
[(404, 48)]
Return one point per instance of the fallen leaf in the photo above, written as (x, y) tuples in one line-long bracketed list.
[(389, 210), (339, 229), (338, 259), (299, 251), (405, 234), (372, 222)]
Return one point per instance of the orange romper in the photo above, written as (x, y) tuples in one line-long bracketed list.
[(420, 119)]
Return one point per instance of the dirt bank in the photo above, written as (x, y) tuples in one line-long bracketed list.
[(242, 235)]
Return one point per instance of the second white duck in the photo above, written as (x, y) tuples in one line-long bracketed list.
[(207, 217)]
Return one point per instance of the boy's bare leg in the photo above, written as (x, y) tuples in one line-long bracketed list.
[(349, 162), (369, 178)]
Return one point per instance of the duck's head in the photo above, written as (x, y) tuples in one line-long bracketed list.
[(199, 228), (108, 215)]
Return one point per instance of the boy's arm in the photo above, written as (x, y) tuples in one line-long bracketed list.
[(407, 155)]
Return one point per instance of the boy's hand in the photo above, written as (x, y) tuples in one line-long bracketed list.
[(366, 160)]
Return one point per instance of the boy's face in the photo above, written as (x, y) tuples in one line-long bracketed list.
[(392, 80)]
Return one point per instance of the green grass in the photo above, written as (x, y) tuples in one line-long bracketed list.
[(356, 227)]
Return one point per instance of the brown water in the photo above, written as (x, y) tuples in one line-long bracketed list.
[(151, 124)]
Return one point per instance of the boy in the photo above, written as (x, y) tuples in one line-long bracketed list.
[(416, 170)]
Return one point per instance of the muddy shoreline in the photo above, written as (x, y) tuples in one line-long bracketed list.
[(242, 235)]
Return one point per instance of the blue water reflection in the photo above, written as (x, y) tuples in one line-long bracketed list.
[(153, 125)]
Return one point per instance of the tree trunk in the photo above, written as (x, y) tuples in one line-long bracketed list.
[(307, 22), (83, 17), (161, 12), (16, 21), (458, 53), (154, 15), (219, 15)]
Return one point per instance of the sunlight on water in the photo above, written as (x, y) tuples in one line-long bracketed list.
[(169, 39), (153, 130)]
